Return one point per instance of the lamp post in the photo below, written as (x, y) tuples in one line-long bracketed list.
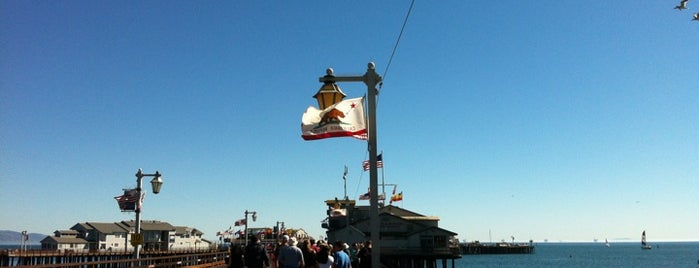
[(254, 218), (279, 230), (156, 183), (25, 237), (371, 79)]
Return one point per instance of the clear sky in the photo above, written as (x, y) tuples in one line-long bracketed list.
[(558, 120)]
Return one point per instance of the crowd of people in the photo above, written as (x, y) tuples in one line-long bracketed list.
[(308, 253)]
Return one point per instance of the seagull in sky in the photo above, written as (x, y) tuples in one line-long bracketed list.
[(696, 16), (683, 5)]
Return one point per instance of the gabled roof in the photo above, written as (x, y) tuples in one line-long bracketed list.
[(102, 227), (63, 240), (406, 214), (408, 220), (149, 225), (65, 232), (107, 228), (184, 229), (436, 229), (403, 214), (156, 226), (81, 226)]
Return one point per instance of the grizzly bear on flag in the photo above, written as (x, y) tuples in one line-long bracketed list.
[(331, 116)]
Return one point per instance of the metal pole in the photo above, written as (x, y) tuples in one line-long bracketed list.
[(371, 79), (344, 178), (246, 227), (276, 238), (139, 186)]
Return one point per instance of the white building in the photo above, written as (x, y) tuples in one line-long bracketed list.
[(97, 236), (104, 236), (187, 238), (64, 240)]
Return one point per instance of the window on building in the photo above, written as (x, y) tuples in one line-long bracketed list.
[(440, 241), (427, 243)]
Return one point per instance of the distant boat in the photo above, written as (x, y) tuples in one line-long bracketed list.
[(606, 243), (643, 241)]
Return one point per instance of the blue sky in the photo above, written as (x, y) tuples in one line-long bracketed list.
[(560, 120)]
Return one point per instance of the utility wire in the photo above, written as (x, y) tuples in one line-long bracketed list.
[(385, 72)]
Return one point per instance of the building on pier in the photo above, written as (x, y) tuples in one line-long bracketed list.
[(407, 238), (98, 236), (64, 240)]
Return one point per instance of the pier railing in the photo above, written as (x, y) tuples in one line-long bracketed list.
[(447, 253), (176, 258)]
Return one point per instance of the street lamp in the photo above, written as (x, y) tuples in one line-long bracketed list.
[(329, 93), (279, 230), (254, 218), (156, 183), (371, 79)]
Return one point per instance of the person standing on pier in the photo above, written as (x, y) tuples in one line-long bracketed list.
[(256, 254), (309, 254), (236, 259), (290, 256), (342, 260), (364, 255), (325, 260)]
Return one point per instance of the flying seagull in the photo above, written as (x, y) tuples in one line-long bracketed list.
[(683, 5), (696, 16)]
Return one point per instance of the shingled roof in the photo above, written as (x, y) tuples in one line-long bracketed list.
[(179, 230), (150, 225), (63, 240), (107, 228)]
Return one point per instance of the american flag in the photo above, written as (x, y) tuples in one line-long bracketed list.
[(128, 201), (366, 196), (240, 222), (379, 163)]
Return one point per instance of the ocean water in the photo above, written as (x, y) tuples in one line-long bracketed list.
[(665, 254)]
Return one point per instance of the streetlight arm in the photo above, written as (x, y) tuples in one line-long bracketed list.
[(325, 79)]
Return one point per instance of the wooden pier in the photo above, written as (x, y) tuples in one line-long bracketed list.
[(496, 248), (53, 258)]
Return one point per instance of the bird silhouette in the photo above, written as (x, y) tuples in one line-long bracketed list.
[(682, 5), (696, 16)]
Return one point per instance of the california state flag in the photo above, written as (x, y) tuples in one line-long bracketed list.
[(344, 119)]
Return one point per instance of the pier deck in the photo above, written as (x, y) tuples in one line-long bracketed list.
[(52, 258), (496, 248)]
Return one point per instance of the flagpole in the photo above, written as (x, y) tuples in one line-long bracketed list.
[(383, 183), (344, 178)]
